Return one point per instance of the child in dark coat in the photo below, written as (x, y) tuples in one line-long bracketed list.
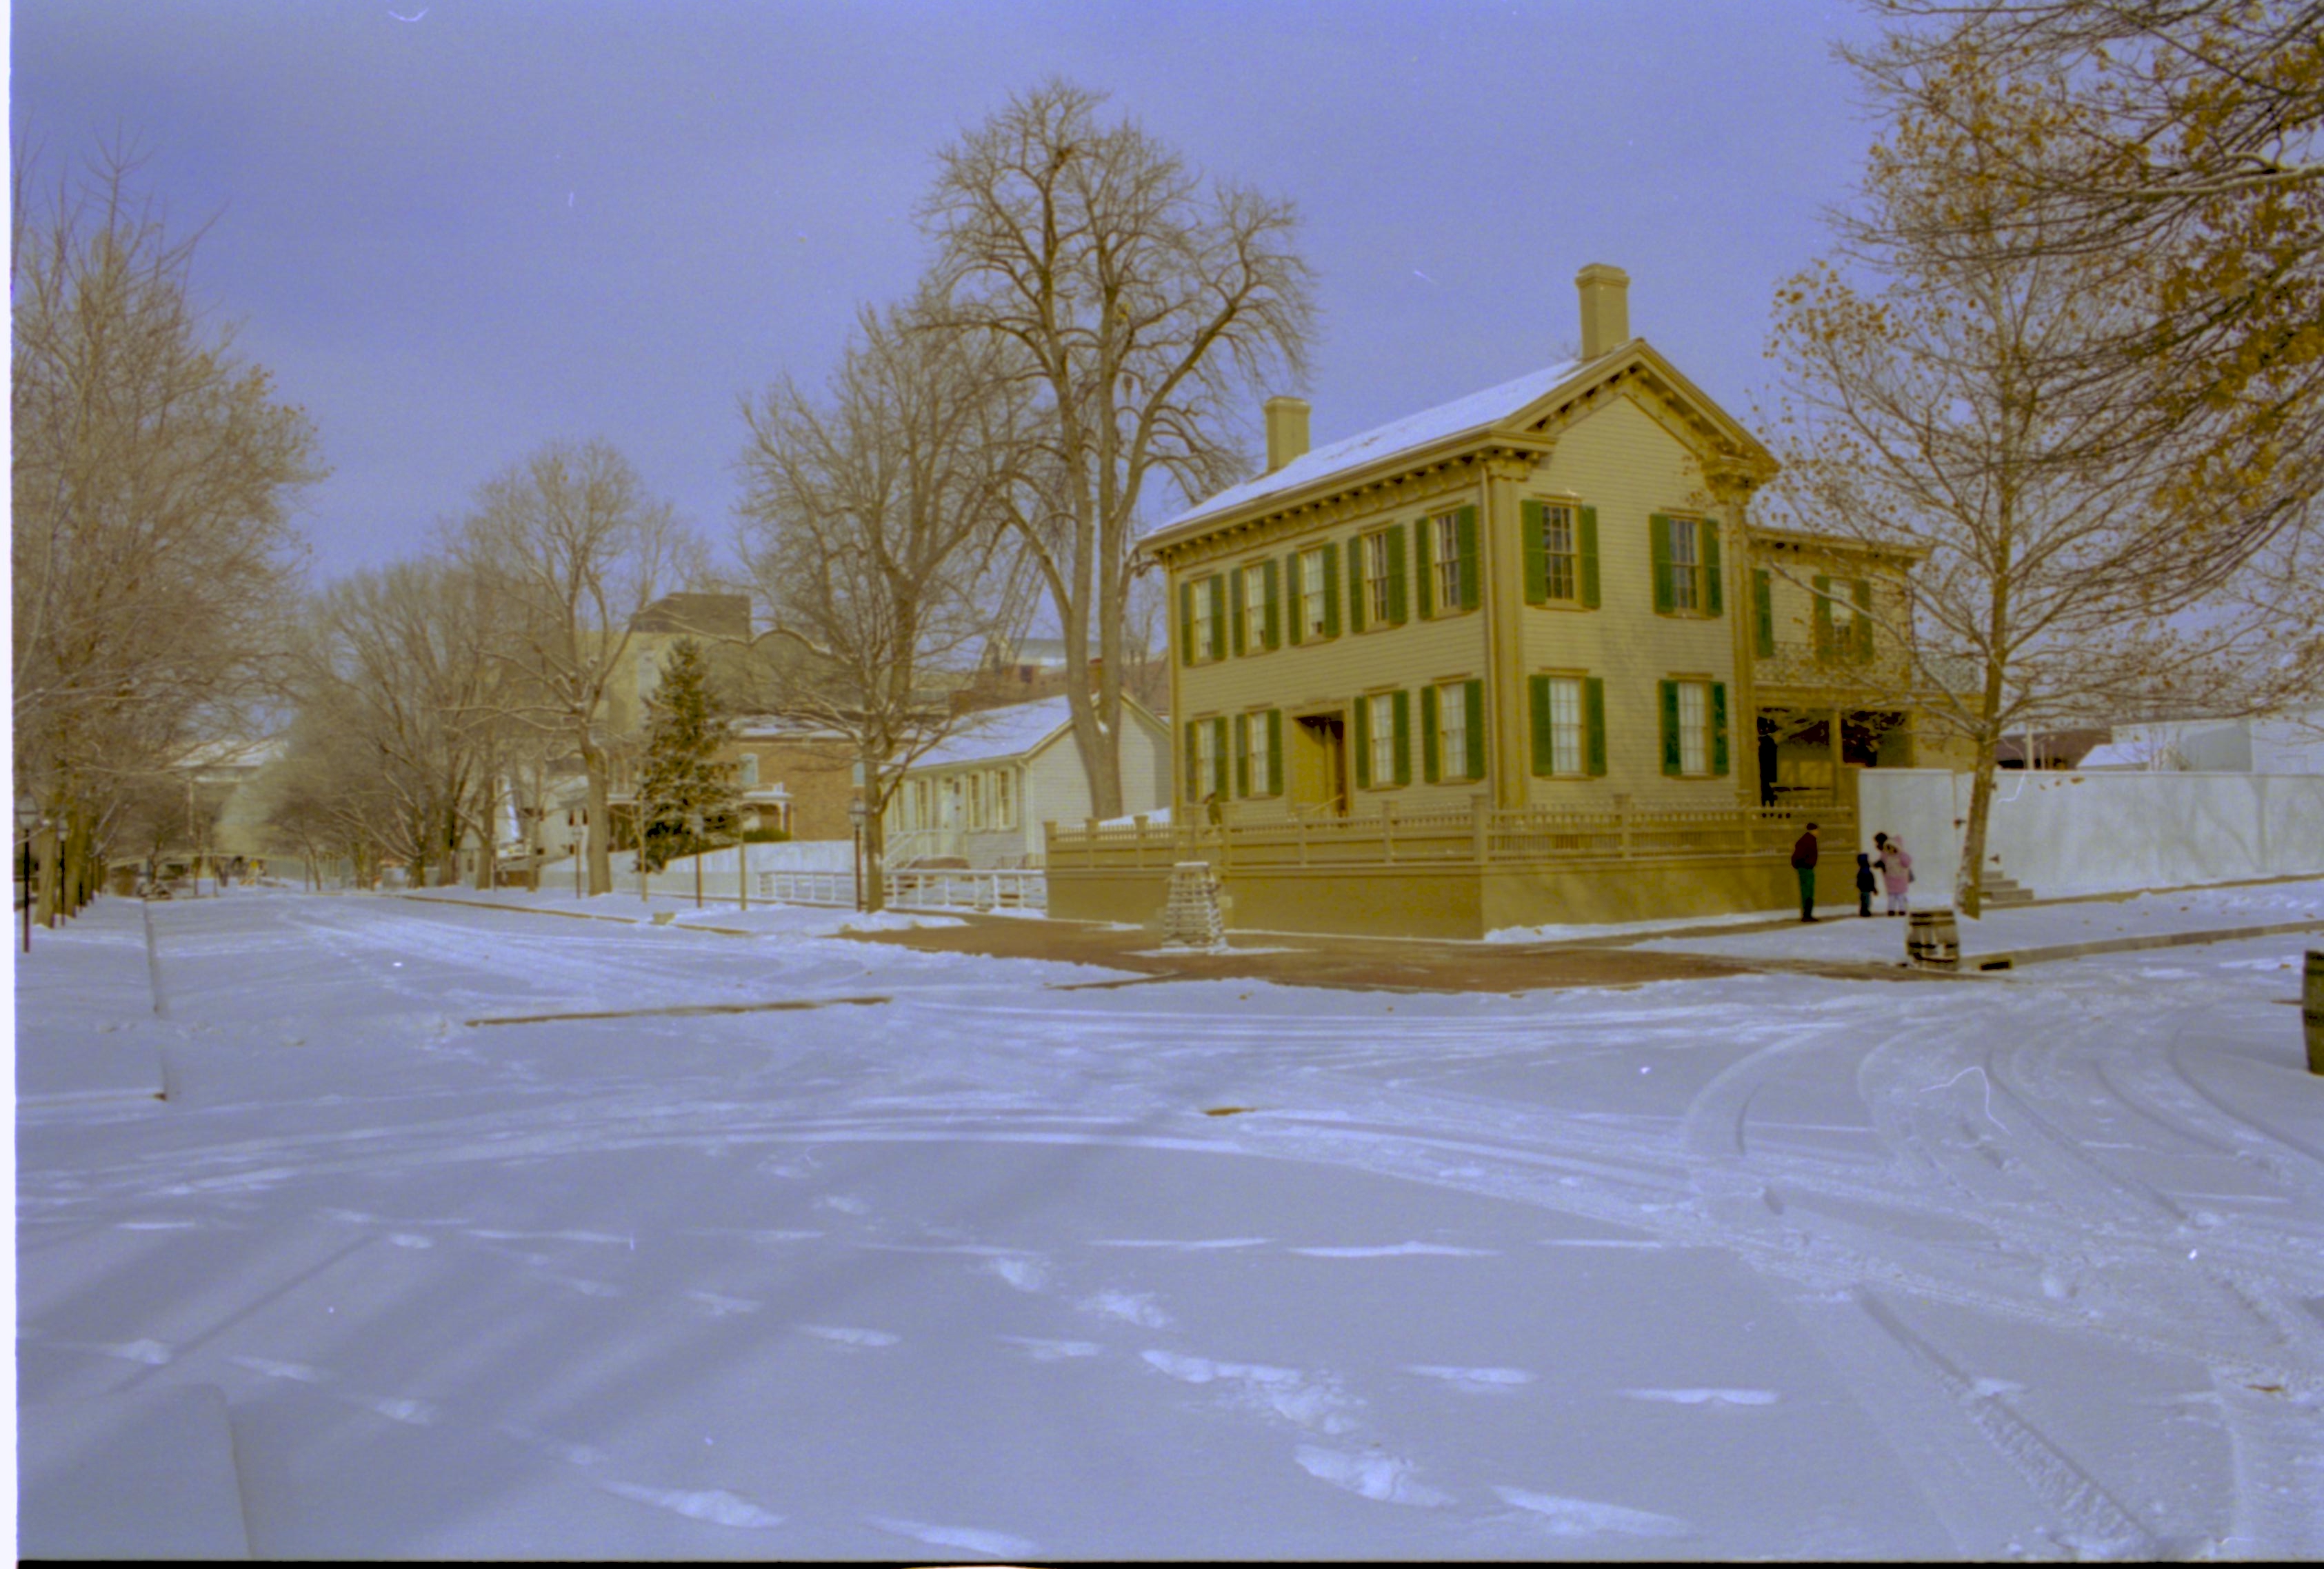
[(1865, 883)]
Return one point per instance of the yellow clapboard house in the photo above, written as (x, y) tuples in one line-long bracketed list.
[(1501, 663)]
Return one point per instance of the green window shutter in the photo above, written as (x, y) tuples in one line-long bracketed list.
[(1763, 613), (1472, 700), (1363, 742), (1536, 555), (1331, 588), (1658, 537), (1424, 545), (1545, 750), (1402, 708), (1464, 530), (1823, 618), (1193, 764), (1219, 756), (1672, 759), (1275, 751), (1429, 745), (1295, 602), (1218, 592), (1234, 608), (1714, 587), (1864, 619), (1396, 591), (1242, 754), (1593, 709), (1356, 595), (1718, 728), (1271, 633), (1186, 623), (1588, 558)]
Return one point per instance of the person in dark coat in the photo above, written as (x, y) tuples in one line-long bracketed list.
[(1865, 882), (1803, 862)]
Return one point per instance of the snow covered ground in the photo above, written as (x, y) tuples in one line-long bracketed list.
[(805, 1248)]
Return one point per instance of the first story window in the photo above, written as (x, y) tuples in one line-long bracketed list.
[(1695, 728), (1569, 725), (1383, 748), (1452, 732), (1259, 753)]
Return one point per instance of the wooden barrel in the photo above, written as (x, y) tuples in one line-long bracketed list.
[(1932, 940), (2311, 1009)]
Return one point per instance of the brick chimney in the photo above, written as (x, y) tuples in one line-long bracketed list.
[(1287, 431), (1605, 309)]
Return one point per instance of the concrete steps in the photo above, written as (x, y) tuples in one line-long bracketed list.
[(2000, 891)]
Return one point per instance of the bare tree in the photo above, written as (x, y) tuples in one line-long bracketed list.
[(569, 549), (1138, 307), (2185, 133), (1941, 399), (872, 521), (152, 480)]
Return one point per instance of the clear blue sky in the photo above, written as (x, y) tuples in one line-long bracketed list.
[(453, 237)]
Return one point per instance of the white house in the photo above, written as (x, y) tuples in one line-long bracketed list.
[(980, 796)]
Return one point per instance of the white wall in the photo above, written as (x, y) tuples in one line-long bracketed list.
[(2098, 833), (718, 868)]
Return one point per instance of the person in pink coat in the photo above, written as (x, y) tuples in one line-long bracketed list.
[(1896, 870)]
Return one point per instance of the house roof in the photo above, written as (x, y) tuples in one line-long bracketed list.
[(999, 733), (1508, 411), (1476, 412)]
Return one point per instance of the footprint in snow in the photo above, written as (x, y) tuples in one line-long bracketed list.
[(1383, 1478), (1025, 1273), (1285, 1391), (714, 1505), (298, 1371), (842, 1335), (1568, 1517), (1706, 1397), (1476, 1380), (968, 1538), (1049, 1351), (720, 1307), (1136, 1306), (1398, 1250)]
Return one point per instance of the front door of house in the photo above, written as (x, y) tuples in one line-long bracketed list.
[(1319, 764)]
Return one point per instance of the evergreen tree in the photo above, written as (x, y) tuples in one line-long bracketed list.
[(683, 778)]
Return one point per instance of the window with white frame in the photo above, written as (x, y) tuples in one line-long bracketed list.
[(1254, 730), (1314, 599), (1565, 725), (750, 775), (1378, 596), (1004, 800), (1686, 563), (1452, 729), (1383, 737), (1254, 607), (1694, 727), (649, 677), (1444, 559), (1202, 628), (1561, 553), (1206, 759)]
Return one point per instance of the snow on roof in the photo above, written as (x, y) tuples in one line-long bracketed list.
[(999, 733), (1473, 412)]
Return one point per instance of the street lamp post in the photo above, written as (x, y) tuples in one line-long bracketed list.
[(855, 816)]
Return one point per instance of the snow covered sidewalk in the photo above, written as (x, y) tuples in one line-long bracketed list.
[(976, 1266)]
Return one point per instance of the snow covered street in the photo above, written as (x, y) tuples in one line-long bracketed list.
[(829, 1249)]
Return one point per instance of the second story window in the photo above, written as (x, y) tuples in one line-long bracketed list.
[(1257, 608), (750, 771), (1376, 579), (1206, 619), (1843, 618), (1686, 581), (1318, 610), (1561, 553), (1445, 560), (1686, 566)]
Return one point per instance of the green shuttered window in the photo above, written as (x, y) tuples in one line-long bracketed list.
[(1763, 613)]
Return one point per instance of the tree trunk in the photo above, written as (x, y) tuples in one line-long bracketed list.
[(44, 856), (601, 841), (872, 869)]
